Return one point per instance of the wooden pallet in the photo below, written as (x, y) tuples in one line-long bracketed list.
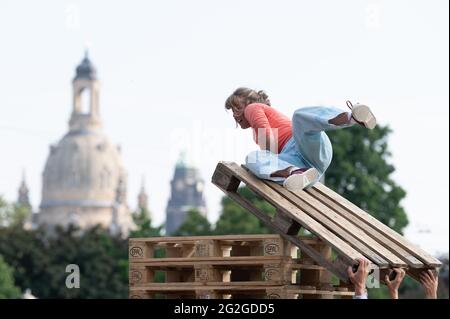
[(235, 291), (272, 270), (146, 249), (348, 230)]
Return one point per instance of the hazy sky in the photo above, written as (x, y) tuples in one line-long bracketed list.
[(166, 68)]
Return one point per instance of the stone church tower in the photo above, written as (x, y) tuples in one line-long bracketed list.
[(186, 193), (23, 198), (84, 181)]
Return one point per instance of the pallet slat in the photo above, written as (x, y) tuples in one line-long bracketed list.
[(239, 260), (269, 271), (243, 290)]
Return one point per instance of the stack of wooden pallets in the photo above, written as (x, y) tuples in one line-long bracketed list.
[(229, 267), (271, 266)]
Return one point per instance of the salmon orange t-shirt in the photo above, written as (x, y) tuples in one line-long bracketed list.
[(264, 118)]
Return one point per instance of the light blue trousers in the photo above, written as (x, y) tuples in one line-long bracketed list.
[(308, 147)]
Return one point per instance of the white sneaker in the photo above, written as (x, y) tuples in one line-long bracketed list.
[(299, 181), (363, 115)]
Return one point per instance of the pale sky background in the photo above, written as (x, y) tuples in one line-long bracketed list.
[(166, 68)]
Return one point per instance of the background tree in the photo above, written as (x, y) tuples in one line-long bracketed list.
[(20, 214), (5, 212), (13, 214), (27, 253), (40, 261), (7, 287), (195, 224), (144, 227), (99, 256)]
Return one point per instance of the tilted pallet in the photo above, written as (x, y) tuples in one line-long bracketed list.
[(351, 232)]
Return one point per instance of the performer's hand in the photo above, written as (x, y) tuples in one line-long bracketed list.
[(360, 276), (394, 284)]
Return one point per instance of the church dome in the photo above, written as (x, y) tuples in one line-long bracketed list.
[(82, 170), (85, 168), (84, 180)]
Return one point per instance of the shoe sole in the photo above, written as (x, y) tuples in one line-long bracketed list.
[(362, 114), (298, 182)]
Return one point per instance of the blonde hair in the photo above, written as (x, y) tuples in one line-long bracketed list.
[(244, 96)]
